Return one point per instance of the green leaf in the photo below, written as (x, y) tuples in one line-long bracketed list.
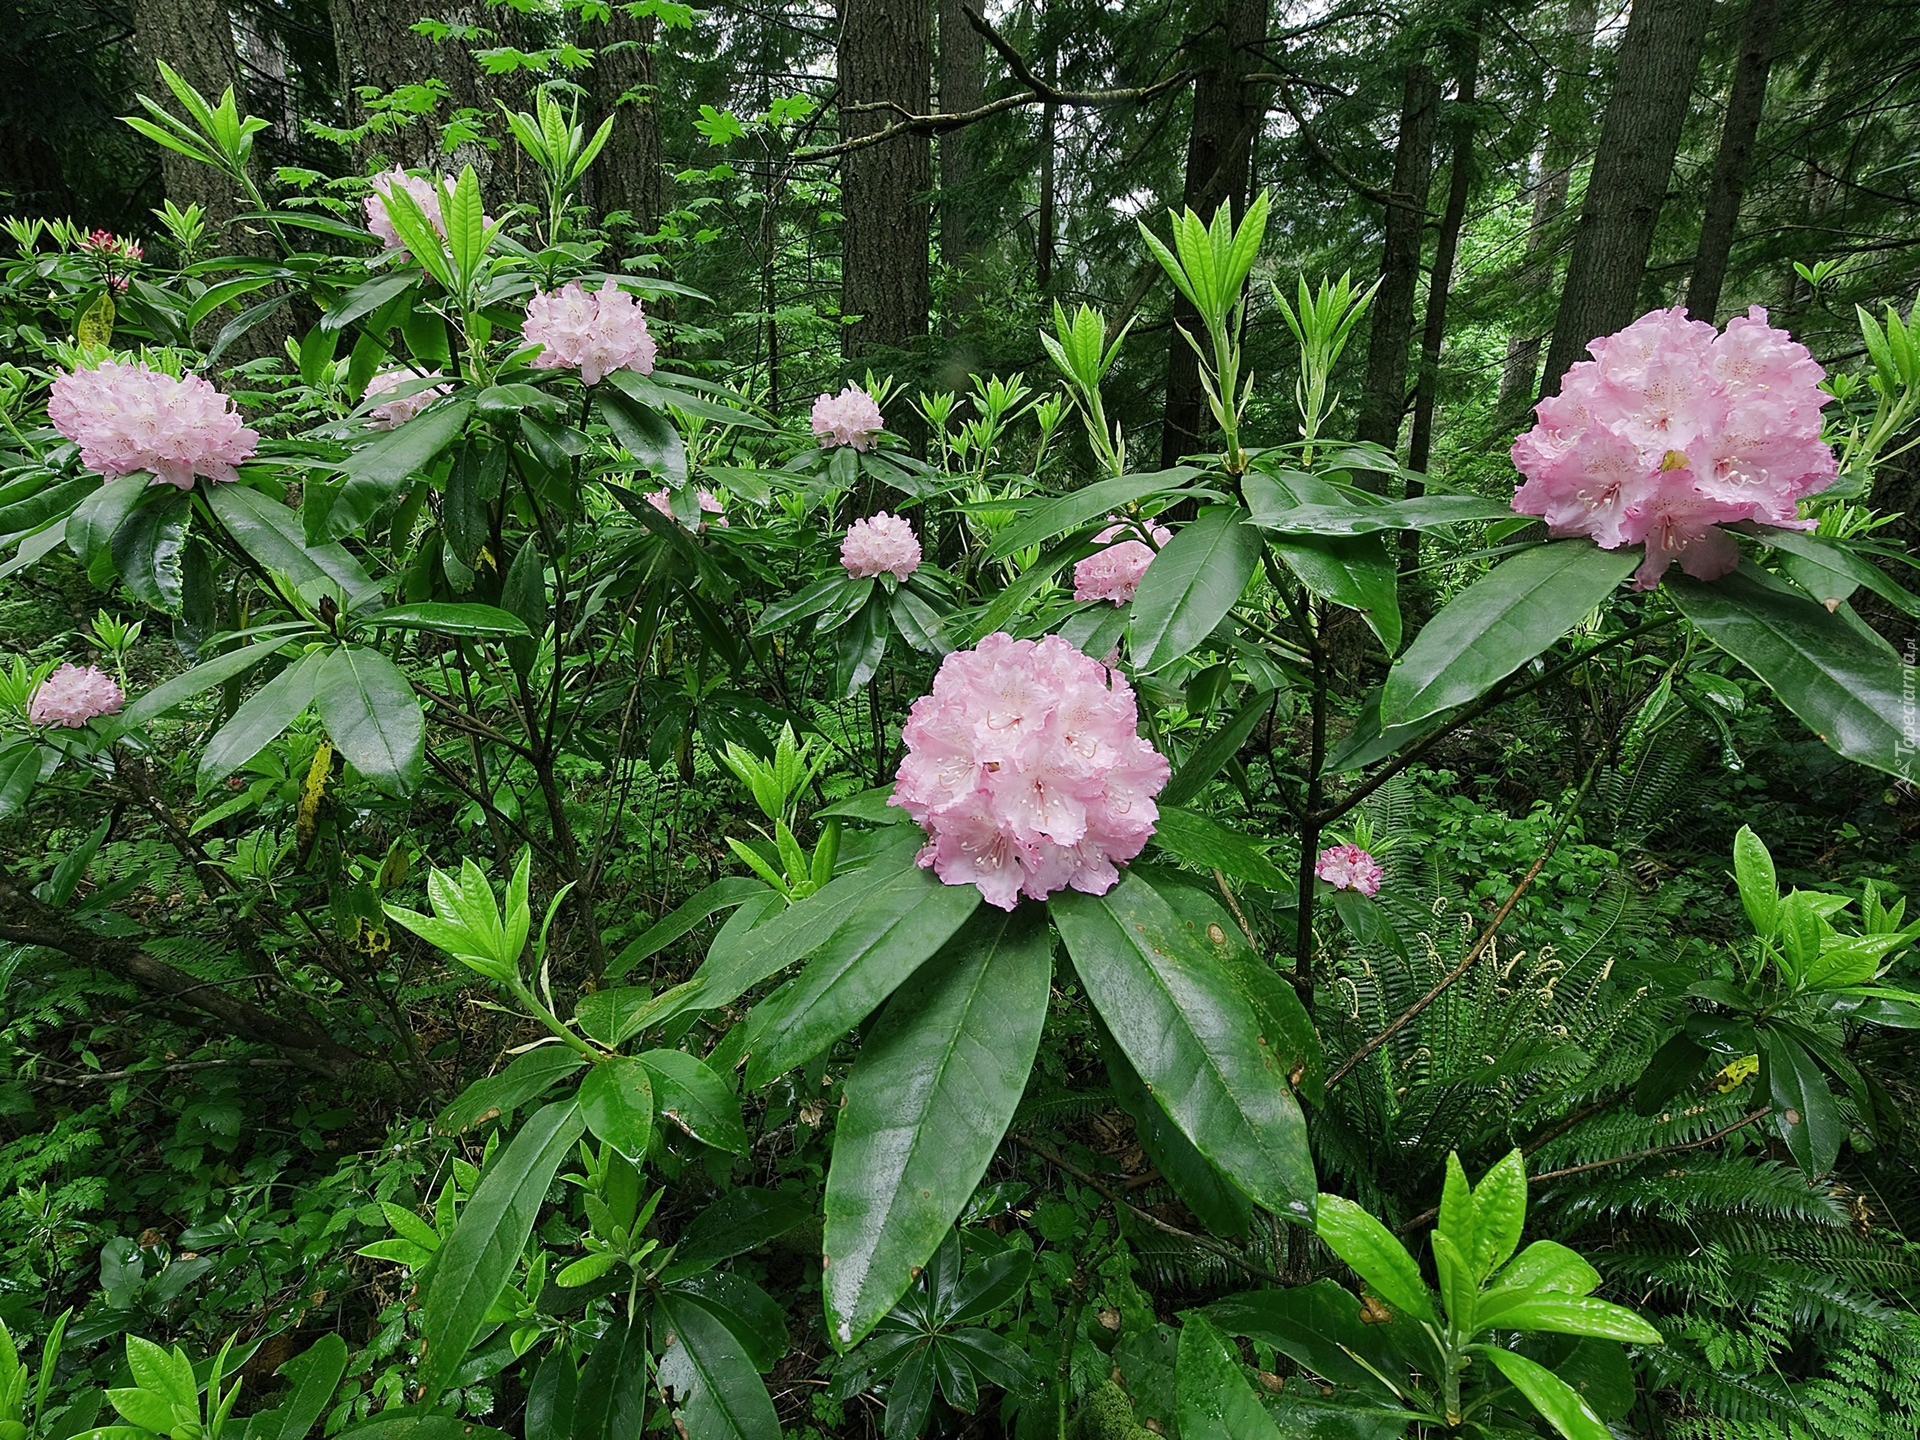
[(1577, 1315), (1673, 1067), (1459, 1291), (1215, 1400), (162, 698), (1086, 505), (1500, 1214), (550, 1399), (658, 390), (1759, 889), (742, 1219), (688, 1092), (1318, 1326), (147, 547), (897, 927), (1497, 624), (1821, 557), (370, 711), (312, 1376), (926, 1106), (1550, 1395), (276, 705), (529, 1076), (1191, 585), (481, 1255), (1273, 508), (613, 1016), (1544, 1267), (1193, 1038), (645, 434), (721, 895), (752, 1316), (1846, 689), (616, 1101), (273, 535), (402, 1423), (91, 526), (376, 472), (19, 773), (1209, 757), (445, 619), (164, 1373), (1220, 1204), (1803, 1108), (717, 1391), (1356, 571), (1456, 1220), (1199, 840), (1371, 1252)]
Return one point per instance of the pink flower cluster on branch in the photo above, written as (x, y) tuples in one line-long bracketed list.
[(392, 414), (1673, 430), (849, 418), (880, 545), (426, 194), (73, 695), (127, 418), (1348, 867), (593, 331), (1114, 573), (709, 503), (1026, 769)]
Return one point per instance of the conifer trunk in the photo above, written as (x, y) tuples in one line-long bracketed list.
[(885, 59), (195, 38), (1658, 57), (963, 71), (1745, 100), (1383, 401), (628, 175), (375, 44)]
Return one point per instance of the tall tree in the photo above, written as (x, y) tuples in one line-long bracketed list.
[(378, 47), (1383, 400), (628, 175), (195, 37), (1566, 122), (963, 77), (885, 67), (1746, 98), (1658, 57), (1226, 113)]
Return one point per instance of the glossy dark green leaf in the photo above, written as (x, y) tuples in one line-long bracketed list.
[(659, 389), (1211, 754), (474, 1267), (610, 1399), (723, 894), (1845, 689), (1674, 1066), (412, 1423), (376, 472), (926, 1106), (1825, 557), (897, 927), (743, 1219), (645, 434), (203, 677), (146, 550), (687, 1092), (1191, 585), (256, 724), (312, 1376), (717, 1392), (1274, 510), (860, 645), (89, 530), (1498, 623), (523, 594), (1200, 840), (1192, 1037), (616, 1101), (753, 1316), (472, 485), (1086, 505), (550, 1399), (441, 618), (614, 1015), (374, 720), (528, 1078), (1317, 1326), (1215, 1400), (19, 773), (1220, 1205), (1804, 1111), (272, 534), (1357, 571), (50, 499)]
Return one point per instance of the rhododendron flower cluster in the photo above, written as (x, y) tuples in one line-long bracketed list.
[(850, 418), (593, 331), (73, 695), (1348, 867), (1026, 770), (392, 414), (112, 247), (1673, 430), (883, 544), (130, 417), (709, 502), (426, 194), (1114, 573)]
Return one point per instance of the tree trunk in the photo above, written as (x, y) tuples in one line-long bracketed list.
[(1043, 224), (885, 59), (1566, 120), (1446, 247), (375, 45), (1384, 399), (1226, 113), (195, 37), (627, 176), (1746, 99), (1658, 57), (963, 76)]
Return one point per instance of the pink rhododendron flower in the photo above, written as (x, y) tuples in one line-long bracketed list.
[(1673, 430), (883, 544), (1114, 573), (1348, 867), (131, 417), (663, 502), (849, 418), (392, 414), (1026, 770), (593, 331), (426, 194), (73, 695)]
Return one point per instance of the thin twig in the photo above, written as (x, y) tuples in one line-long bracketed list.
[(1406, 1016), (180, 1067)]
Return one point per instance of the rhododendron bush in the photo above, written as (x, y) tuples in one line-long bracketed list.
[(486, 553)]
